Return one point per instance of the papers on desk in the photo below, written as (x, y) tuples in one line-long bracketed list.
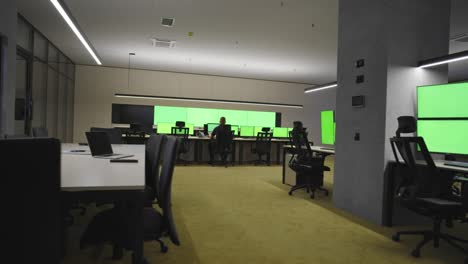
[(76, 152)]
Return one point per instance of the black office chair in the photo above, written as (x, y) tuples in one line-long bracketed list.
[(157, 225), (115, 135), (40, 132), (182, 133), (224, 145), (30, 171), (112, 225), (262, 147), (153, 157), (309, 168), (422, 193)]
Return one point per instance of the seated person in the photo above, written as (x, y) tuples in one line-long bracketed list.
[(222, 129)]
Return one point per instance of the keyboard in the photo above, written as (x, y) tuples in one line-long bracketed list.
[(456, 164)]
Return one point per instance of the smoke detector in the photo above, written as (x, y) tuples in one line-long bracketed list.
[(167, 22), (163, 43)]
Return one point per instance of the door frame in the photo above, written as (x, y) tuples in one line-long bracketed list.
[(28, 97)]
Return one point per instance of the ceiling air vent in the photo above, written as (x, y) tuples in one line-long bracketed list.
[(167, 22), (163, 43), (461, 38)]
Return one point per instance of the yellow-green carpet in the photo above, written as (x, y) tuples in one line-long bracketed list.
[(243, 214)]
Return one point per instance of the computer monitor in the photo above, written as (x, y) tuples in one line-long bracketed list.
[(246, 131), (212, 126), (280, 132), (165, 128), (235, 129)]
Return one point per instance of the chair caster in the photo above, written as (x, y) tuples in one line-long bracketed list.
[(290, 193), (416, 253), (396, 238), (164, 249)]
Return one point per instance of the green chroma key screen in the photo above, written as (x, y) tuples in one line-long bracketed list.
[(443, 117), (281, 132), (327, 119), (246, 131), (201, 116), (443, 101), (444, 136)]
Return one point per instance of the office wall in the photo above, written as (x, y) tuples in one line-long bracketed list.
[(391, 36), (7, 94), (458, 71), (96, 86), (316, 102)]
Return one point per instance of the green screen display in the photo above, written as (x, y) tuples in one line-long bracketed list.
[(212, 126), (257, 129), (235, 129), (281, 132), (327, 120), (444, 136), (201, 116), (164, 128), (246, 131), (446, 100)]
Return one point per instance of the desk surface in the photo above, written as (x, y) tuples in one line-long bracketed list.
[(440, 164), (248, 139), (321, 149), (82, 172)]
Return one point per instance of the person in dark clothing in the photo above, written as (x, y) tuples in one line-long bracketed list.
[(220, 130)]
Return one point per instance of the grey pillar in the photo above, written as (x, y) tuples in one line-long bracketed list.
[(391, 36)]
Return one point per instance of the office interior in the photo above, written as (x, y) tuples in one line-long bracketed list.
[(366, 79)]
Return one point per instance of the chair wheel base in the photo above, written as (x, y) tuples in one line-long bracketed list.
[(416, 253), (164, 249), (396, 238)]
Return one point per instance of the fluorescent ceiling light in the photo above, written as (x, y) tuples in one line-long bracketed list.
[(321, 87), (205, 100), (444, 59), (61, 9)]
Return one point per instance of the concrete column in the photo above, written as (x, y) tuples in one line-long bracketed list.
[(391, 36)]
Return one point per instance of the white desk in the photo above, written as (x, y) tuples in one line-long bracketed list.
[(88, 178), (81, 172), (440, 164)]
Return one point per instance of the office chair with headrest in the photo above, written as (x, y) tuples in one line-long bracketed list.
[(182, 133), (115, 135), (309, 168), (266, 129), (40, 132), (420, 190), (262, 147), (154, 145)]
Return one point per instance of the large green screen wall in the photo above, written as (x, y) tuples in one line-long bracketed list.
[(443, 117), (444, 136), (201, 116), (446, 100), (327, 119)]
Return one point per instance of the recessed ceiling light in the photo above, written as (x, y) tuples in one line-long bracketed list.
[(66, 14)]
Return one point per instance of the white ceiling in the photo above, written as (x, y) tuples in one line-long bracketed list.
[(262, 39), (459, 26)]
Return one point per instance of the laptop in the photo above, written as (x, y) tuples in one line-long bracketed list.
[(100, 146)]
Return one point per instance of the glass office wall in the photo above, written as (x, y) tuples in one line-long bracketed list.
[(50, 102)]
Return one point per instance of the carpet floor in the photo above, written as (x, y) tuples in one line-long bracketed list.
[(243, 214)]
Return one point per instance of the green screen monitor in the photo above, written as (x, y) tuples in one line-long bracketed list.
[(246, 131), (280, 132), (257, 129), (165, 128), (235, 129), (212, 126), (444, 136), (327, 120), (443, 101)]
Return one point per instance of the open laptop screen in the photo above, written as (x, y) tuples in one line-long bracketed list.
[(99, 143)]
